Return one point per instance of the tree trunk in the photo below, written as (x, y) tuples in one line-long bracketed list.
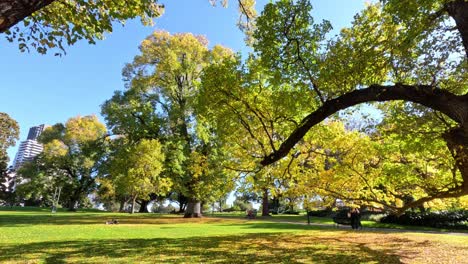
[(221, 205), (122, 203), (182, 208), (144, 206), (133, 205), (265, 210), (182, 203), (14, 11), (458, 10), (457, 142), (72, 204), (276, 204), (193, 209)]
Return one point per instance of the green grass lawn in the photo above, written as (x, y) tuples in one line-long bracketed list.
[(37, 236)]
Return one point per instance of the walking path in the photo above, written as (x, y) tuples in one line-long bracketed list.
[(371, 229), (376, 229)]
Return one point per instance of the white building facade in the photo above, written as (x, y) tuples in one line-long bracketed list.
[(29, 148)]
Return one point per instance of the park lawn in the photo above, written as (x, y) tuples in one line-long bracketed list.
[(83, 237)]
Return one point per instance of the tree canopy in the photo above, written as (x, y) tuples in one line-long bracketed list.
[(51, 25), (393, 51), (161, 103), (9, 133), (73, 153), (193, 118), (134, 170), (381, 52)]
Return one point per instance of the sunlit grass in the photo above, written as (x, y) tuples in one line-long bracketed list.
[(83, 237)]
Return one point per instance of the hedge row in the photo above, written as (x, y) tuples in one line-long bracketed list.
[(440, 219)]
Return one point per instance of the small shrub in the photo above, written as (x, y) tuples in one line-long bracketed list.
[(341, 217), (290, 212), (322, 213)]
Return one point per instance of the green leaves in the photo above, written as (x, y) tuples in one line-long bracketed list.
[(9, 132), (65, 22), (135, 170), (73, 153), (289, 44), (162, 102)]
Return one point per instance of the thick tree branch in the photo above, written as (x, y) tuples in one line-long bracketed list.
[(455, 107), (247, 127), (458, 10), (257, 114), (450, 193), (14, 11)]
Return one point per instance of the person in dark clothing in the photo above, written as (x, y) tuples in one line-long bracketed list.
[(355, 218)]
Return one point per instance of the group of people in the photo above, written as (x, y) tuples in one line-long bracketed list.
[(355, 216)]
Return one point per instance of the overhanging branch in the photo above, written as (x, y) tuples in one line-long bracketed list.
[(12, 12), (454, 106)]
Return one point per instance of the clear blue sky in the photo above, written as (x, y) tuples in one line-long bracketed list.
[(37, 89)]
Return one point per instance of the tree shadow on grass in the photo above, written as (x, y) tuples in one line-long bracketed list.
[(277, 226), (93, 219), (251, 248), (101, 219)]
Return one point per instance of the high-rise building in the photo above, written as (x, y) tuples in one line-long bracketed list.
[(35, 132), (29, 148)]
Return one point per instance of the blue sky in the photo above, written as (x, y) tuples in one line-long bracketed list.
[(37, 89)]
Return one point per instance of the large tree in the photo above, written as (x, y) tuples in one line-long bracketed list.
[(73, 153), (408, 45), (134, 170), (9, 133), (160, 103), (250, 113), (395, 50)]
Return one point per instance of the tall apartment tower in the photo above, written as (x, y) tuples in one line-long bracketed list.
[(35, 132), (29, 148)]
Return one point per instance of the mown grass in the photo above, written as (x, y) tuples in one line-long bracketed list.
[(83, 237)]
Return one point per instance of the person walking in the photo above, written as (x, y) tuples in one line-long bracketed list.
[(355, 218)]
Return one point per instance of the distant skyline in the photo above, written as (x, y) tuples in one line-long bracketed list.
[(44, 89)]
